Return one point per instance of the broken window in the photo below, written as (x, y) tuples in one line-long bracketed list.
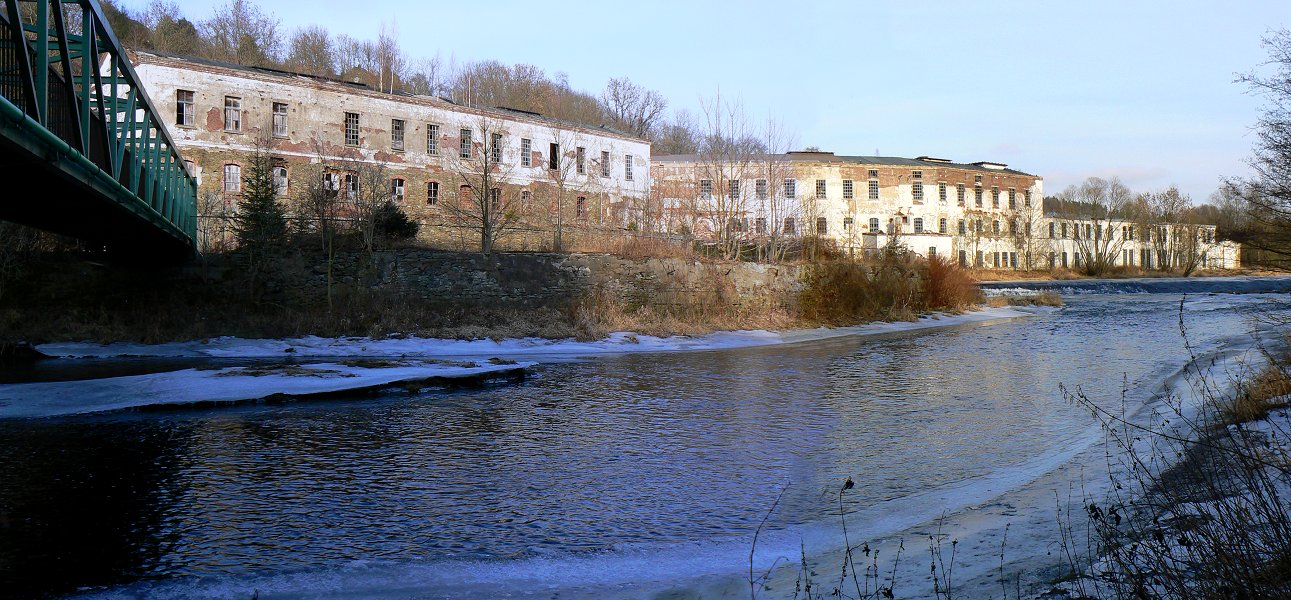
[(1013, 198), (495, 198), (820, 188), (232, 113), (963, 227), (760, 189), (822, 226), (351, 185), (232, 179), (432, 193), (627, 167), (580, 157), (351, 129), (605, 163), (331, 182), (553, 156), (847, 223), (280, 180), (464, 144), (1026, 198), (959, 194), (916, 185), (995, 197), (495, 148), (280, 119), (874, 225), (526, 152), (760, 224), (977, 195), (941, 192), (580, 207), (791, 188), (705, 188), (789, 226), (184, 115), (396, 189), (733, 189), (396, 134), (432, 139)]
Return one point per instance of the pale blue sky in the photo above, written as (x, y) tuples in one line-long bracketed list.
[(1143, 90)]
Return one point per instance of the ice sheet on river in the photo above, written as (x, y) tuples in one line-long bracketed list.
[(311, 346), (232, 384)]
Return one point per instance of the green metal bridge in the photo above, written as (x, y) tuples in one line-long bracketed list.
[(83, 150)]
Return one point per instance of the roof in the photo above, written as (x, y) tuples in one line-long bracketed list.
[(161, 58), (892, 161)]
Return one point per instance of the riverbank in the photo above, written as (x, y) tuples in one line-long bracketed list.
[(1003, 275)]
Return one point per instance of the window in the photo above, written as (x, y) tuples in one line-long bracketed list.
[(932, 252), (847, 223), (995, 227), (396, 134), (963, 258), (1064, 232), (822, 226), (432, 193), (1051, 235), (1013, 225), (977, 194), (760, 224), (351, 185), (1013, 198), (995, 197), (464, 144), (874, 184), (733, 189), (874, 225), (432, 139), (581, 207), (190, 168), (580, 156), (977, 180), (760, 189), (553, 156), (232, 179), (789, 226), (963, 227), (232, 113), (916, 185), (791, 188), (280, 180), (495, 148), (941, 192), (1026, 198), (605, 163), (331, 182), (959, 194), (351, 129), (396, 189), (280, 119), (847, 189), (941, 226), (705, 188), (526, 196), (526, 152), (918, 224), (495, 198), (820, 188), (184, 115), (627, 167)]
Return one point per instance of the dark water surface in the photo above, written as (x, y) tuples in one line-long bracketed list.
[(667, 456)]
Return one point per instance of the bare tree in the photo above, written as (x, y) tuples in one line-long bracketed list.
[(485, 201), (1090, 209), (239, 32), (564, 167), (311, 51), (1028, 236), (722, 169), (1268, 194), (633, 108)]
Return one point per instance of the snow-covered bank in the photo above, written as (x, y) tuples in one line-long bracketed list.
[(406, 347), (233, 384)]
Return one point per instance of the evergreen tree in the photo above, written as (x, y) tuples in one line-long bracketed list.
[(260, 222), (392, 223)]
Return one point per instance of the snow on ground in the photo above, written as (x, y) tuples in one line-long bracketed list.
[(187, 386), (314, 347)]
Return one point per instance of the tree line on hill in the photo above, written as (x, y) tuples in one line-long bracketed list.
[(241, 32)]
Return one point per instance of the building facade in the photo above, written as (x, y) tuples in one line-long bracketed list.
[(429, 152), (982, 214)]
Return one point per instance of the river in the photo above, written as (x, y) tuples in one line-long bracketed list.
[(593, 472)]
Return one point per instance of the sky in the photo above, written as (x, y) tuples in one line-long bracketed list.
[(1065, 90)]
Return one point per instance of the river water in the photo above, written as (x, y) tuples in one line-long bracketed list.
[(595, 471)]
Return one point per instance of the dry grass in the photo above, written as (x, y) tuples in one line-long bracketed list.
[(949, 287), (1269, 390), (1044, 298)]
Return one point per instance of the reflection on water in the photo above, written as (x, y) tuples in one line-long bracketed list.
[(624, 451)]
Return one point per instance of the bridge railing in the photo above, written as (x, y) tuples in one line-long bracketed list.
[(65, 76)]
